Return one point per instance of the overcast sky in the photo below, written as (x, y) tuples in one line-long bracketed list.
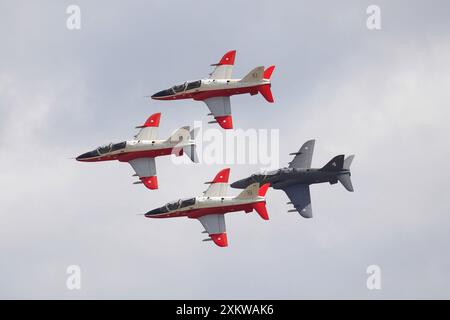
[(382, 95)]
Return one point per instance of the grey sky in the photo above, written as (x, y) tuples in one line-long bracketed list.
[(382, 95)]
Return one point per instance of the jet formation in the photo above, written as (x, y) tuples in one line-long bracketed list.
[(210, 208)]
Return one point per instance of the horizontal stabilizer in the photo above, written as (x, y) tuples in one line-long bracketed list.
[(191, 152), (266, 92), (260, 208), (345, 180)]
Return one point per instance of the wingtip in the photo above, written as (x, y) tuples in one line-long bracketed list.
[(153, 120), (220, 239), (226, 122), (228, 58), (222, 176)]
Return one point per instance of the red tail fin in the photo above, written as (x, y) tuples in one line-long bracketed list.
[(268, 72), (266, 93), (263, 189), (260, 207)]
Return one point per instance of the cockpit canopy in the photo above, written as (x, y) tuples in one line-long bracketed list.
[(111, 147), (187, 86), (270, 173), (171, 206), (182, 203)]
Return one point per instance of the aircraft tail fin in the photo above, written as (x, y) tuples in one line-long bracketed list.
[(335, 164), (268, 72), (263, 189), (345, 180), (250, 192), (254, 191), (260, 208), (191, 152), (266, 92), (348, 162), (180, 135), (265, 89), (255, 75)]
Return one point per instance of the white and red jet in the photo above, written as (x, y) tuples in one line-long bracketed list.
[(141, 152), (217, 89), (214, 204)]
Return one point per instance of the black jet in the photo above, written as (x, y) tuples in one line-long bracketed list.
[(295, 179)]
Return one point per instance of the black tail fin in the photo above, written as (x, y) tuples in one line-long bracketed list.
[(335, 164)]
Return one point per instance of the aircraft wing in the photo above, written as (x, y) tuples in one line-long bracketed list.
[(145, 169), (224, 68), (220, 108), (303, 157), (149, 130), (214, 225), (300, 198), (219, 186)]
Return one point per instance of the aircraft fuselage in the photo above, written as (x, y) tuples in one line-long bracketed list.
[(201, 206), (285, 177), (133, 149), (209, 88)]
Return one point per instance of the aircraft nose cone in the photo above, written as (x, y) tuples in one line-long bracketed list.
[(87, 155), (81, 157), (161, 94)]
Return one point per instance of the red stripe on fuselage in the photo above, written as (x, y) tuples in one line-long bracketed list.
[(202, 95), (197, 213), (127, 156)]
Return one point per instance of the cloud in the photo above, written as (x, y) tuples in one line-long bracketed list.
[(381, 95)]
